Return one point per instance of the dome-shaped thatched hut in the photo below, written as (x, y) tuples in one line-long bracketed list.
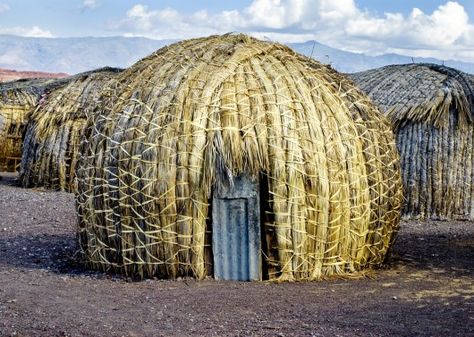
[(431, 108), (17, 100), (53, 132), (238, 158)]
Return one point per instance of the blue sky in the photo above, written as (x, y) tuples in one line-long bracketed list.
[(438, 28)]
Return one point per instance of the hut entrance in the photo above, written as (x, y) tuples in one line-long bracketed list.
[(236, 232)]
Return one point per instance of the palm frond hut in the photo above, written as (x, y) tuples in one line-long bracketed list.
[(431, 109), (17, 100), (52, 136), (237, 158)]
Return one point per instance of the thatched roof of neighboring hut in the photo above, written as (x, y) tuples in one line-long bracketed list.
[(184, 121), (432, 111), (419, 92), (19, 93), (54, 129)]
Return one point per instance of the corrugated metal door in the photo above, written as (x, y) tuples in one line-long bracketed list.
[(236, 237)]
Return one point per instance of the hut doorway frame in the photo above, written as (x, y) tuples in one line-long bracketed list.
[(237, 231)]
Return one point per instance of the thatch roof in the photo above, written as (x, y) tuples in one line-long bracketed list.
[(432, 111), (419, 92), (184, 121), (52, 136)]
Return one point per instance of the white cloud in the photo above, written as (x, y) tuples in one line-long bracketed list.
[(145, 20), (34, 31), (90, 4), (168, 23), (4, 8), (268, 13), (442, 28), (446, 32)]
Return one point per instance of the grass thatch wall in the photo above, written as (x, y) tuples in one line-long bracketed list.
[(17, 100), (431, 108), (188, 118), (53, 132)]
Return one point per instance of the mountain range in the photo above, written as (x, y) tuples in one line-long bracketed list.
[(74, 55), (11, 75), (349, 62)]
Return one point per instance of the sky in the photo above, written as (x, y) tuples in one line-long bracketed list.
[(428, 28)]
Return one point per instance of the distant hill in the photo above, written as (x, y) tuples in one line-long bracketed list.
[(348, 62), (74, 55), (11, 75)]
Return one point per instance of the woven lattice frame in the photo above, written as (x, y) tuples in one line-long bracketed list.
[(185, 120)]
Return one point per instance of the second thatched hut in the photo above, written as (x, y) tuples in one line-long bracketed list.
[(17, 100), (431, 108), (52, 138), (236, 158)]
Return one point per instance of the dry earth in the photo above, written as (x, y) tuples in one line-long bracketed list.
[(11, 75), (427, 289)]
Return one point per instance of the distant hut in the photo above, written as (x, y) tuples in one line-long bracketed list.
[(236, 158), (17, 100), (53, 132), (431, 108)]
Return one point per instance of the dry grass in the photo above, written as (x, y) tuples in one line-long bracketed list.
[(192, 116), (54, 129), (17, 101), (431, 108)]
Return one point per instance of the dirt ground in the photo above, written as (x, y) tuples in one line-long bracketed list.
[(427, 289)]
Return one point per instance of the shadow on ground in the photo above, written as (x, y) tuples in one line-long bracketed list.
[(436, 253), (57, 253)]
